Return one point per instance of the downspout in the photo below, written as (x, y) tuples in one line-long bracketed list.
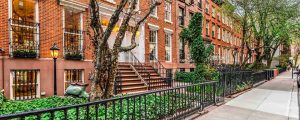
[(2, 55)]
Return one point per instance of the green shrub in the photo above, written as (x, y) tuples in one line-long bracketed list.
[(187, 77), (73, 56), (2, 98), (10, 107), (158, 106), (24, 54)]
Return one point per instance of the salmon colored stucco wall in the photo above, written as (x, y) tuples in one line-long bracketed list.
[(46, 70)]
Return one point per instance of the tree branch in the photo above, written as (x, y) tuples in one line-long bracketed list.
[(136, 28), (113, 21)]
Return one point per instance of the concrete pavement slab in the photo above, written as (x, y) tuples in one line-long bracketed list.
[(274, 100)]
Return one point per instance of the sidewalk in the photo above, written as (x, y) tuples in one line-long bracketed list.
[(274, 100)]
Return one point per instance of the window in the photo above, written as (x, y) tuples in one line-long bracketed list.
[(73, 38), (154, 12), (207, 27), (25, 84), (23, 27), (182, 70), (219, 32), (73, 76), (206, 7), (213, 12), (153, 44), (192, 69), (200, 3), (169, 73), (181, 51), (181, 16), (168, 40), (213, 30), (168, 7)]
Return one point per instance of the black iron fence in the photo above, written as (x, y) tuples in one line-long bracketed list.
[(172, 103)]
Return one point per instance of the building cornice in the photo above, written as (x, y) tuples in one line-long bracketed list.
[(74, 4)]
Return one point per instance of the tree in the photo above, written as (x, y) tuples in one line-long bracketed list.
[(239, 10), (268, 23), (105, 58), (200, 53)]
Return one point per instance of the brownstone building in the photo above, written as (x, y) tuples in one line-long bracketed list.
[(29, 28)]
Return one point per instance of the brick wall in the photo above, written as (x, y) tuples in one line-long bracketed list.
[(4, 42)]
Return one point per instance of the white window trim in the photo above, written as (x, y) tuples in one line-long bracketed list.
[(74, 4), (111, 1), (38, 89), (82, 77), (168, 30), (153, 27)]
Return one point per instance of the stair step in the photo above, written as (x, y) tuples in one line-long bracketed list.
[(131, 84), (131, 89)]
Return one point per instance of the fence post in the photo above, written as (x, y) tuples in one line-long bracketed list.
[(215, 93)]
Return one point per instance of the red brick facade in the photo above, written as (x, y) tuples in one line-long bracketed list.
[(50, 19)]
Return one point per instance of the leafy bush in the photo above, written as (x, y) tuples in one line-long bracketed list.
[(157, 107), (188, 77), (24, 54), (2, 98), (10, 107), (73, 56), (243, 86)]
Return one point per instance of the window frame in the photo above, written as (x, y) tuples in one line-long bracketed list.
[(154, 12), (81, 39), (36, 26), (181, 17), (65, 78), (168, 11), (169, 36), (38, 85)]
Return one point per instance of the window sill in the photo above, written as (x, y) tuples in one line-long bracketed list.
[(154, 16), (168, 21), (110, 1)]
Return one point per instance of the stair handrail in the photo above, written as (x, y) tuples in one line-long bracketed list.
[(161, 70), (137, 65)]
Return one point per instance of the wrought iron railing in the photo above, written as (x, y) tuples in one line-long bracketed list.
[(73, 44), (24, 39), (162, 71), (142, 72), (172, 103), (118, 83)]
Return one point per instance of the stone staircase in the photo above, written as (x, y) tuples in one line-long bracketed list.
[(128, 80), (154, 80), (137, 78)]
